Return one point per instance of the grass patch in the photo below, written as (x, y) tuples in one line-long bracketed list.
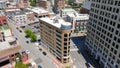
[(20, 65), (0, 28), (6, 27)]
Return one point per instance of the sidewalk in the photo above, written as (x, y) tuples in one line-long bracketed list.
[(59, 64), (78, 34)]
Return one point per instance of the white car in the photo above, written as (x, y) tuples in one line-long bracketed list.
[(27, 51)]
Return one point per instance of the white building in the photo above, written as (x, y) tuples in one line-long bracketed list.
[(39, 12), (64, 12), (18, 16), (78, 21), (103, 32), (3, 4)]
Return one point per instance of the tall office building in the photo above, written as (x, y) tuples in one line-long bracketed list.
[(59, 4), (55, 36), (103, 36)]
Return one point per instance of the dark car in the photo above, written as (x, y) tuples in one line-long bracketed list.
[(40, 49), (44, 53), (27, 41), (39, 66), (22, 26), (26, 36), (16, 38), (20, 30), (17, 28)]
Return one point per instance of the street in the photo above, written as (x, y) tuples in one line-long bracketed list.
[(78, 59), (35, 54), (82, 55)]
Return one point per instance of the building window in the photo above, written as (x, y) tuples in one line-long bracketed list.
[(65, 39), (118, 26), (65, 35), (117, 46), (118, 40)]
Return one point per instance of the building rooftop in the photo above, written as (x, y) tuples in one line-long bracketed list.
[(4, 45), (57, 22), (38, 10), (2, 13), (87, 5), (79, 16), (3, 0), (9, 45), (6, 49), (68, 10)]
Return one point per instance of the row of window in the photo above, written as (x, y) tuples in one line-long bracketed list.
[(110, 2)]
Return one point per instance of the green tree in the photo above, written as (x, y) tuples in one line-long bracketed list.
[(33, 37), (33, 3), (67, 67), (20, 65), (28, 32)]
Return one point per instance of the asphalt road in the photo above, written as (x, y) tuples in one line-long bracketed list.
[(82, 54), (78, 59), (35, 54)]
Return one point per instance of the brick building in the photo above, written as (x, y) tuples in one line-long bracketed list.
[(3, 18), (42, 3)]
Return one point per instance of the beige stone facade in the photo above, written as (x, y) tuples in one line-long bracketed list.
[(56, 40)]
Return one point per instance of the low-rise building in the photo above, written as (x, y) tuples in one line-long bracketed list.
[(77, 1), (9, 47), (78, 21), (64, 12), (85, 9), (39, 12), (55, 36), (30, 15), (42, 3), (21, 16), (3, 18), (18, 16), (3, 4)]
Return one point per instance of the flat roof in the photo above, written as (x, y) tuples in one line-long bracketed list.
[(56, 21), (4, 45), (87, 5), (2, 13), (79, 16), (37, 10), (68, 10), (6, 49)]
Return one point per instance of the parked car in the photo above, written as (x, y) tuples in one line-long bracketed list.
[(39, 66), (26, 36), (44, 53), (27, 41), (20, 30), (16, 38), (40, 49), (17, 28), (27, 51), (22, 26)]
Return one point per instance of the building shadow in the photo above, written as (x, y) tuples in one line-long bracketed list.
[(80, 44)]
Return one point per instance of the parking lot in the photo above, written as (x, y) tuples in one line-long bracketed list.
[(35, 27)]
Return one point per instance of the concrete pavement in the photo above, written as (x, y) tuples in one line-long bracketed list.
[(35, 53), (56, 62)]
